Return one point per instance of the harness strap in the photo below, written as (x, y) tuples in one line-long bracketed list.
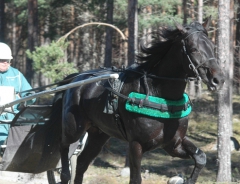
[(161, 107), (114, 88), (118, 94), (191, 66)]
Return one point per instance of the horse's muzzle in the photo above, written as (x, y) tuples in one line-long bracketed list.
[(215, 83)]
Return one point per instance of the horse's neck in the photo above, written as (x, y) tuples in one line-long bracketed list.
[(171, 68)]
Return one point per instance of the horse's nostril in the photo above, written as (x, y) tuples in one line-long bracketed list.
[(215, 81)]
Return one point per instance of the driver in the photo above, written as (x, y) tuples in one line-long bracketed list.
[(11, 81)]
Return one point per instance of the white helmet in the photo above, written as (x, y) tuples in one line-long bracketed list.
[(5, 51)]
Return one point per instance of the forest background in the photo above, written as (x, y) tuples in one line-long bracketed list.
[(27, 24), (32, 28)]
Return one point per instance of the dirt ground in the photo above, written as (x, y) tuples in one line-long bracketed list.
[(7, 182), (22, 178)]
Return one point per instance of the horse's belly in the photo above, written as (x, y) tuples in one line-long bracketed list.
[(152, 132)]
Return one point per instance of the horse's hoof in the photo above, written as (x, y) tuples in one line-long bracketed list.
[(62, 182), (175, 180), (189, 181)]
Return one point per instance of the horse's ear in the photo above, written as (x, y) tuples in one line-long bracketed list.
[(207, 23), (180, 28)]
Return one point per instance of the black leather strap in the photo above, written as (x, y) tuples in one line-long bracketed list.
[(161, 107), (147, 103)]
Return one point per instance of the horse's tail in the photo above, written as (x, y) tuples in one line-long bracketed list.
[(53, 128), (56, 114), (55, 121)]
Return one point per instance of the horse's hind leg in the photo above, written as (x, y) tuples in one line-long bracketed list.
[(65, 173), (96, 140), (186, 149), (135, 158)]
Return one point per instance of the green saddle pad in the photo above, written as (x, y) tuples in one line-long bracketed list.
[(156, 112)]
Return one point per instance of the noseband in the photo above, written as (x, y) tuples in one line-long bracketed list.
[(191, 65)]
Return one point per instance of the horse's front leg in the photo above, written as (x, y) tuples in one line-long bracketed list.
[(65, 173), (186, 149), (135, 158), (199, 157)]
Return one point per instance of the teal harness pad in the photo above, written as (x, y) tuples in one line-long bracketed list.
[(165, 108)]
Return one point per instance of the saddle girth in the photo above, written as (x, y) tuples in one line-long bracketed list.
[(111, 106)]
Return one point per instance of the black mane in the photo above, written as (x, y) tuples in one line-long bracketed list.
[(161, 43)]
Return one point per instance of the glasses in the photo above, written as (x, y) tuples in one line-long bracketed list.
[(5, 60)]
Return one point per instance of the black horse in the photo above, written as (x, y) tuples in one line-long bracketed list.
[(156, 112)]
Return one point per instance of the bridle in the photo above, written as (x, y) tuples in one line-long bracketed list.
[(191, 65)]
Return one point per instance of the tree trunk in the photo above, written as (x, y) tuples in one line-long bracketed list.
[(85, 45), (231, 60), (147, 16), (200, 19), (185, 14), (132, 30), (132, 42), (109, 34), (2, 20), (191, 10), (192, 84), (71, 36), (200, 11), (125, 49), (14, 38), (224, 95), (32, 35), (237, 74)]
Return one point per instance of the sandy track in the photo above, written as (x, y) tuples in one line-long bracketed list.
[(22, 178)]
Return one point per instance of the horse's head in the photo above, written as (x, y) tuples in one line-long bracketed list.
[(199, 51)]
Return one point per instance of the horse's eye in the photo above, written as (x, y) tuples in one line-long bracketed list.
[(192, 50)]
